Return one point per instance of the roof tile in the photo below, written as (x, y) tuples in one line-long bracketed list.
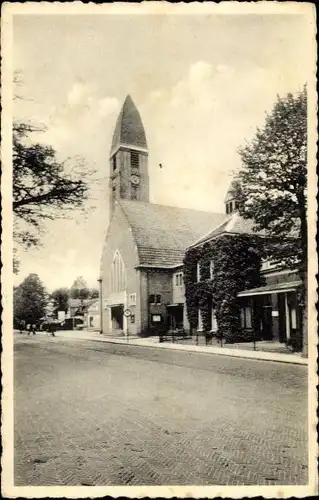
[(162, 233)]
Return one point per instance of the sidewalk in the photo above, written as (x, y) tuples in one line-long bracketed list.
[(233, 351)]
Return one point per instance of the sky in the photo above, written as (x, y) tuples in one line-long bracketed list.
[(202, 84)]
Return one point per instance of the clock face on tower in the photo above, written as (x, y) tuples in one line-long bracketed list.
[(135, 180)]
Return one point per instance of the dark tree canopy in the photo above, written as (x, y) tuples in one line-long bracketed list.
[(94, 293), (273, 180), (79, 289), (30, 299), (43, 187), (61, 298)]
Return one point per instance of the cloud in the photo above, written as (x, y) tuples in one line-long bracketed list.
[(72, 124), (196, 88), (77, 94), (108, 105)]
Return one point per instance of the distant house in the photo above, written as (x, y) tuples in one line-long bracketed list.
[(92, 315), (78, 307)]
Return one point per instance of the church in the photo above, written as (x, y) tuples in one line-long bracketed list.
[(141, 281)]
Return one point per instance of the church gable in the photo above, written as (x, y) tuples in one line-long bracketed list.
[(119, 255)]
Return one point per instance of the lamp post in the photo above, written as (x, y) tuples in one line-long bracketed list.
[(101, 304)]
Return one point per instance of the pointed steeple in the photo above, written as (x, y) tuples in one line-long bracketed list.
[(129, 130), (128, 157)]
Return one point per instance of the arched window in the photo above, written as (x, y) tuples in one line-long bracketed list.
[(118, 274)]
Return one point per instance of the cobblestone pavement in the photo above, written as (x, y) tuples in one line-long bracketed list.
[(104, 414)]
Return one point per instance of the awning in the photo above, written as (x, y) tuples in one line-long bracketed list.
[(175, 305), (289, 286)]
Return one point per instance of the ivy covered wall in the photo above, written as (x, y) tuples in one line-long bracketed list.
[(237, 264)]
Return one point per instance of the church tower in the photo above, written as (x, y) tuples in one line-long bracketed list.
[(129, 157)]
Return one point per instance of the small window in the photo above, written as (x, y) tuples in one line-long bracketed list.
[(245, 317), (114, 162), (132, 299), (227, 208), (198, 271), (152, 299), (211, 269), (178, 279), (132, 318), (293, 318), (114, 188), (200, 326), (214, 325), (135, 160)]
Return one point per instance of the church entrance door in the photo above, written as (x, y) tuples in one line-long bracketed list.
[(117, 317), (175, 316)]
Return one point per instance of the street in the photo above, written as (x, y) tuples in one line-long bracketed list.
[(90, 413)]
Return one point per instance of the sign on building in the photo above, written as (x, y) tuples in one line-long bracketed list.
[(61, 315)]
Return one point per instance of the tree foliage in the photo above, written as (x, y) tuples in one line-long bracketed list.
[(273, 180), (29, 300), (43, 187), (61, 298), (79, 289), (94, 293)]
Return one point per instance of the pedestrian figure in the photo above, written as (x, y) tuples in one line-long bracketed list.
[(33, 328), (28, 328), (21, 326), (52, 329)]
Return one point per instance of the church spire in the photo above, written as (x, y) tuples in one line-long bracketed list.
[(129, 129), (129, 157)]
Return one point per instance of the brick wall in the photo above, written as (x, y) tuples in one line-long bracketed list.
[(159, 282), (143, 300)]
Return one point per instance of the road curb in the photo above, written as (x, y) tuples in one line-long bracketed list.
[(235, 354), (221, 351)]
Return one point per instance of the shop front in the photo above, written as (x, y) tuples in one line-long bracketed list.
[(272, 312)]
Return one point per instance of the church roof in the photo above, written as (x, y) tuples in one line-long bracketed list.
[(162, 233), (129, 129), (234, 224)]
